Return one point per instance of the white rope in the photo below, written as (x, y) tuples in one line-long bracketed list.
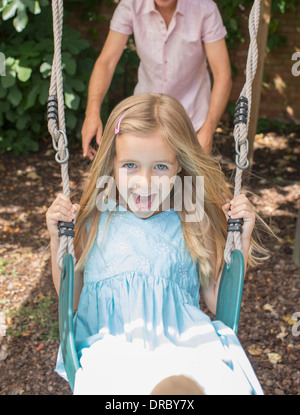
[(241, 129), (58, 132)]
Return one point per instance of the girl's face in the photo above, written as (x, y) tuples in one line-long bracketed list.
[(145, 168)]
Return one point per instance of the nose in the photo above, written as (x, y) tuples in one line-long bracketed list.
[(143, 180)]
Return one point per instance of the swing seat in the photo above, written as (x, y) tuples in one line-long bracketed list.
[(66, 326), (230, 291), (228, 306)]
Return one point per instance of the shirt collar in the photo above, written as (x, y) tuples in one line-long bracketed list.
[(150, 7), (181, 6)]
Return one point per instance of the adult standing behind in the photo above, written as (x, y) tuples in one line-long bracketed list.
[(174, 40)]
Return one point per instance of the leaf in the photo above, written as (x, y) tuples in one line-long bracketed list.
[(8, 80), (24, 73), (71, 120), (34, 7), (36, 126), (76, 84), (290, 320), (14, 96), (274, 358), (45, 69), (2, 92), (290, 240), (20, 21), (31, 97), (69, 65), (11, 116), (282, 334), (44, 92), (22, 122), (33, 176), (254, 352), (10, 10), (72, 100), (233, 24)]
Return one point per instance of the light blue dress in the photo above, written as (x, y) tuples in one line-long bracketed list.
[(139, 320)]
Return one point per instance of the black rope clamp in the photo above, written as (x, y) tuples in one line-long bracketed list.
[(66, 228), (52, 108), (235, 225), (241, 111)]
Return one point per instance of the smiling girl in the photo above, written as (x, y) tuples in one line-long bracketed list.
[(140, 268)]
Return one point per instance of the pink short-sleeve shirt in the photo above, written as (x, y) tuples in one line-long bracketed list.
[(173, 59)]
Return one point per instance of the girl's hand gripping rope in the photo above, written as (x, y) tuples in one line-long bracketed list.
[(241, 208), (61, 209)]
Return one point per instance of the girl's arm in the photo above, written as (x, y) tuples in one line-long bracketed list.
[(240, 208), (62, 210)]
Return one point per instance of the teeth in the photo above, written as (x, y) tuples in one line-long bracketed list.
[(143, 194)]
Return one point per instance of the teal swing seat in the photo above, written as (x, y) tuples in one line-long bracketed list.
[(66, 325), (228, 306), (230, 291)]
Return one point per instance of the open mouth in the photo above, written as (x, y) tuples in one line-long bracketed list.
[(144, 201)]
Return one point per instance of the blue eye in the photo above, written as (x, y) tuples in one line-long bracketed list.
[(161, 167), (129, 165)]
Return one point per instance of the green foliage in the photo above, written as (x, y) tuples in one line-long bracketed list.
[(19, 9), (27, 43), (231, 19), (231, 11), (264, 125), (24, 89)]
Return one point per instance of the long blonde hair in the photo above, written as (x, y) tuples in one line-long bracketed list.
[(141, 115)]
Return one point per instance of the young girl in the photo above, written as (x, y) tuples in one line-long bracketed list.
[(138, 325)]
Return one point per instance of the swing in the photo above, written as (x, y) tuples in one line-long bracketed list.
[(231, 284)]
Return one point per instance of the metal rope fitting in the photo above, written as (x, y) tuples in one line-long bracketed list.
[(63, 161), (241, 111), (241, 117)]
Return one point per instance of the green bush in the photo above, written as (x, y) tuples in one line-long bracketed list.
[(26, 30), (25, 86)]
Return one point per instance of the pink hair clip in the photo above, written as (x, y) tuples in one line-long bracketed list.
[(117, 127)]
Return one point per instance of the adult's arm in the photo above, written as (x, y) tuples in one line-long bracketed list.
[(218, 59), (98, 86)]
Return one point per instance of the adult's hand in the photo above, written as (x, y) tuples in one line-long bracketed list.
[(92, 127), (205, 138)]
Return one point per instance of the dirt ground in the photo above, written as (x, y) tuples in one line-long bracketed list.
[(28, 303)]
